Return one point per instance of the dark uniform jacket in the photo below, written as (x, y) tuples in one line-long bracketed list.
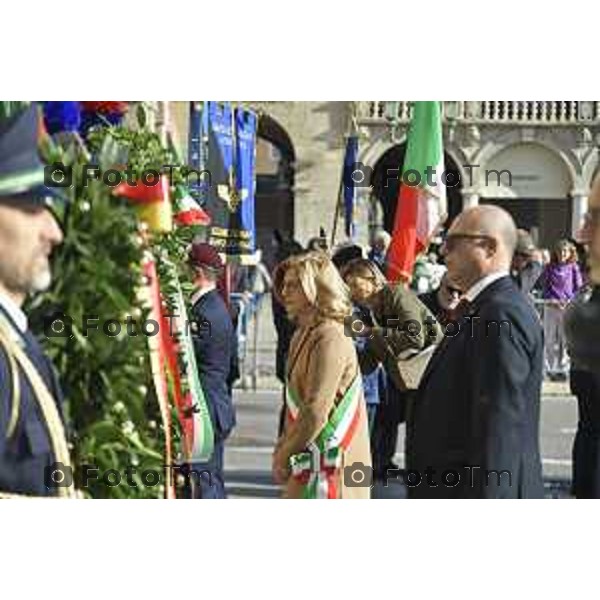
[(215, 348), (25, 455), (403, 323)]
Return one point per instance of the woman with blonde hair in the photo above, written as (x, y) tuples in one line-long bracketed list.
[(325, 428)]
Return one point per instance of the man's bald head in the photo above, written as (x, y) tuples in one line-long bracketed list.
[(481, 241), (494, 222)]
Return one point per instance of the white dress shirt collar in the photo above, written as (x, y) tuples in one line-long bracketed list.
[(202, 292), (482, 284), (14, 312)]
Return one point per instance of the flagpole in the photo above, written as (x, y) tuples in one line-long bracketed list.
[(352, 129), (339, 198)]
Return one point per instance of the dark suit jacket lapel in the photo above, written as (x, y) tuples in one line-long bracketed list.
[(10, 321), (440, 351), (500, 286), (504, 284)]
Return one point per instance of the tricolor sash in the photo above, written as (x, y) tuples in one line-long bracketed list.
[(195, 417), (317, 467)]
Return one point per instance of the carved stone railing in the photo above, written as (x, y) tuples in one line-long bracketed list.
[(530, 112)]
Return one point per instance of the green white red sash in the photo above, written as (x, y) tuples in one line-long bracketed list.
[(317, 468)]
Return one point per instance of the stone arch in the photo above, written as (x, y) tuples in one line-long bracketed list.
[(536, 170), (371, 154), (385, 187), (534, 181), (490, 153), (275, 175)]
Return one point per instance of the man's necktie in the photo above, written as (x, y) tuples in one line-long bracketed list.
[(462, 309)]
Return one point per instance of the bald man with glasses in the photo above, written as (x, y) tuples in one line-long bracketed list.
[(476, 416)]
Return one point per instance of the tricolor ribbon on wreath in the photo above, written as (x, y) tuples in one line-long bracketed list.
[(317, 468), (171, 353)]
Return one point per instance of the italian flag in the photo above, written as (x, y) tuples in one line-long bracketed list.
[(420, 208)]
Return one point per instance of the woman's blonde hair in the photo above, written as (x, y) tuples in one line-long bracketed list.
[(320, 281)]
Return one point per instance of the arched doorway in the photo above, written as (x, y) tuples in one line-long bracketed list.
[(537, 193), (386, 182), (274, 209)]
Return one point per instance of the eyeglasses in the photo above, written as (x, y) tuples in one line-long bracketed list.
[(452, 240)]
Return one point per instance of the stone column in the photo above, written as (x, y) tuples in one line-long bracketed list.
[(470, 198), (579, 208), (163, 119)]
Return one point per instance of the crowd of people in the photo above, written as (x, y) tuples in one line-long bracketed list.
[(457, 354), (477, 404)]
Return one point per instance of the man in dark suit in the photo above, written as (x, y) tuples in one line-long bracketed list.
[(32, 435), (214, 345), (476, 419)]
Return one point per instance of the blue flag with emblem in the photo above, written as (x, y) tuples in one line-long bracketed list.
[(245, 155), (231, 163)]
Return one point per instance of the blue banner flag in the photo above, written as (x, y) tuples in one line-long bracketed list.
[(350, 160), (231, 163), (245, 169)]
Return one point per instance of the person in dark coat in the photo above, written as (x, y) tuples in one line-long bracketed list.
[(527, 266), (476, 416), (32, 433), (584, 382), (284, 326), (582, 329), (214, 346)]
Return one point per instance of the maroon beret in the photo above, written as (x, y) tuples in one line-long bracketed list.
[(204, 255)]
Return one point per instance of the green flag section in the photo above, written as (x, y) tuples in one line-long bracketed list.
[(421, 204)]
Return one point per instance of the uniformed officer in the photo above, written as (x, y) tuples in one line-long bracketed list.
[(34, 458), (215, 354)]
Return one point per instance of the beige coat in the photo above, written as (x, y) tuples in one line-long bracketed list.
[(323, 363)]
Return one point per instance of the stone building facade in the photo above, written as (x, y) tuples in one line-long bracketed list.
[(549, 149)]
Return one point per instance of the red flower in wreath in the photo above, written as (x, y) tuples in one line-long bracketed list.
[(105, 107)]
